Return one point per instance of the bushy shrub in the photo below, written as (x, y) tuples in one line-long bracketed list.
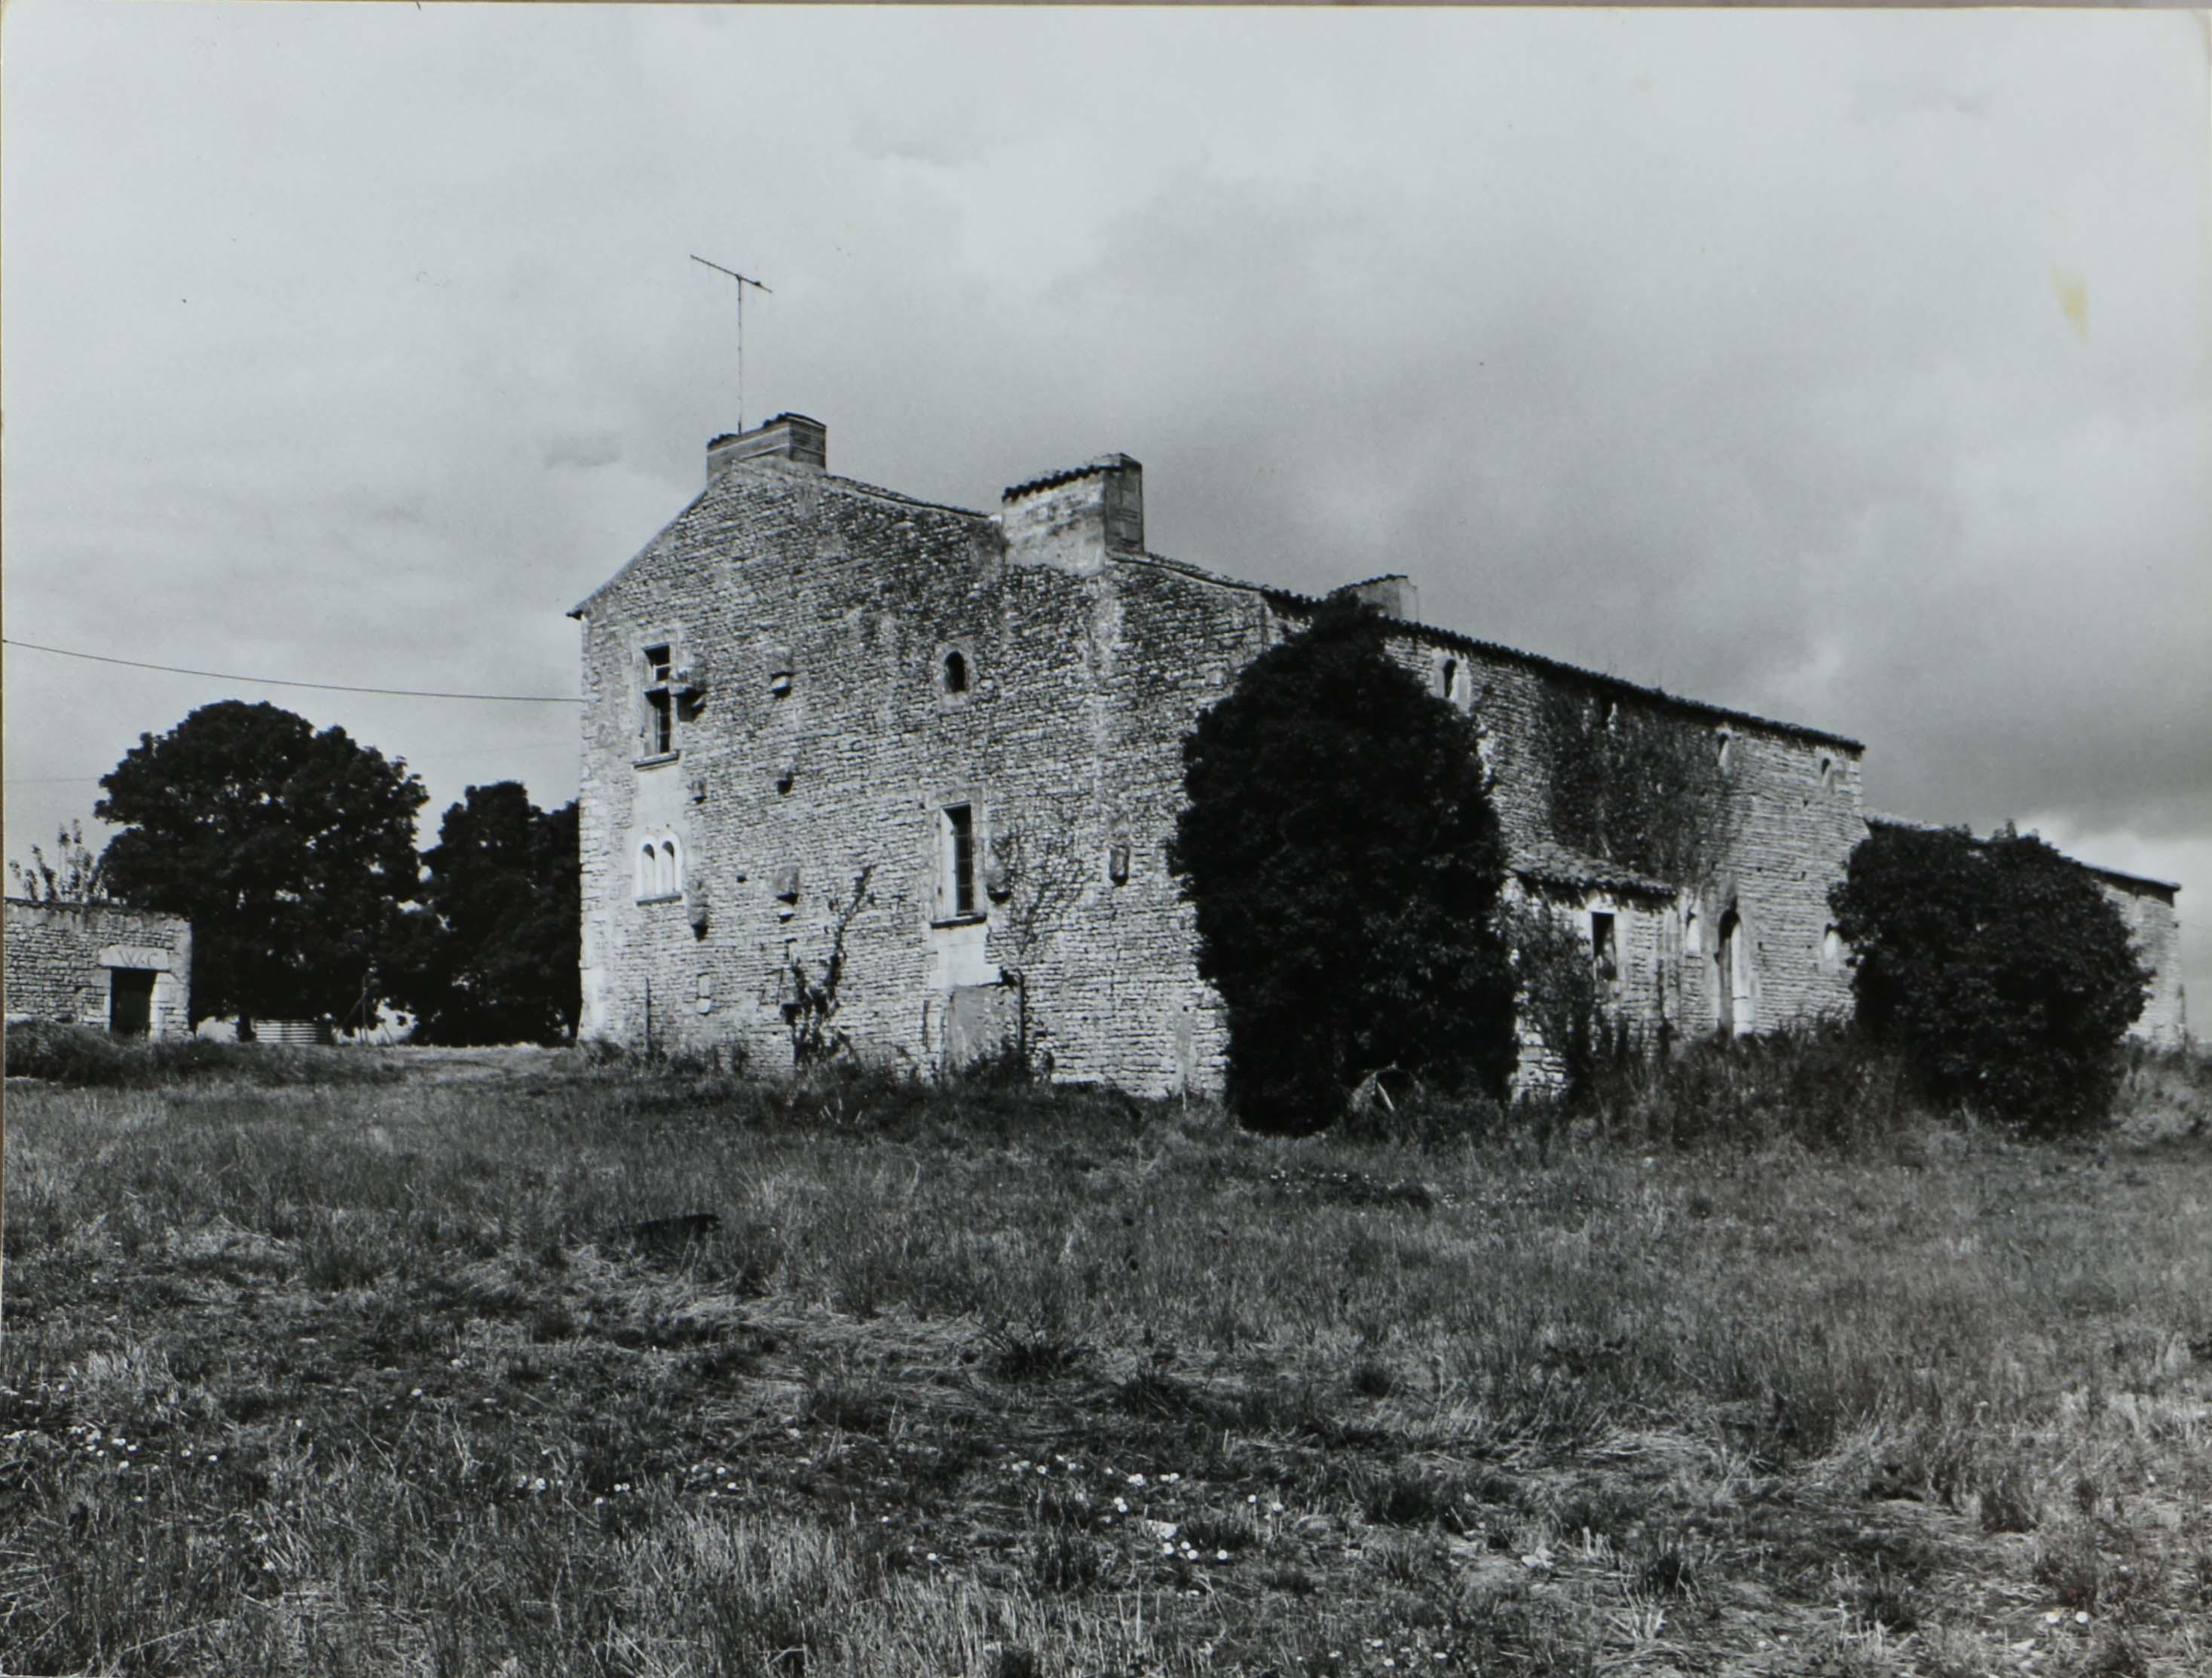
[(1996, 966), (1340, 849)]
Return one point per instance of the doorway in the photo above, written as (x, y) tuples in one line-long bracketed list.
[(1732, 978), (131, 1001)]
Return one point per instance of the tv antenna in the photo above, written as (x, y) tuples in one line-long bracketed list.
[(743, 280)]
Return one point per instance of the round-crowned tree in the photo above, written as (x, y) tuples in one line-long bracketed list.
[(1341, 853), (1997, 965), (290, 849)]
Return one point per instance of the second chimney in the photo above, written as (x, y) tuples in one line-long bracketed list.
[(1073, 519)]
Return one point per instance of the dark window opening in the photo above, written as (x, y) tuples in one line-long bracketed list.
[(131, 1001), (657, 665), (960, 832), (1448, 679), (1605, 954), (956, 673), (660, 724)]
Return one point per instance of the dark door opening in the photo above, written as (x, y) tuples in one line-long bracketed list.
[(1732, 978), (131, 1001)]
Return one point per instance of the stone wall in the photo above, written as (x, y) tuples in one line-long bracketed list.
[(62, 959), (2154, 928), (846, 665)]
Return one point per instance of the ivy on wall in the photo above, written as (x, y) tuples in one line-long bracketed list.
[(1633, 784)]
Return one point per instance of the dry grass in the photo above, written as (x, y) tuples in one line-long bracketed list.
[(383, 1378)]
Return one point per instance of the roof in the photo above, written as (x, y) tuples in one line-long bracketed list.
[(727, 474), (2118, 876), (1287, 599), (1291, 600), (1555, 864)]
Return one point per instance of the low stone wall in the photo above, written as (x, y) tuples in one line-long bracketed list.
[(63, 957)]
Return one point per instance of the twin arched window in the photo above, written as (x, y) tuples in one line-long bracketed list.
[(660, 869)]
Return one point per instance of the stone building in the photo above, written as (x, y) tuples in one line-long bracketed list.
[(826, 719), (127, 971)]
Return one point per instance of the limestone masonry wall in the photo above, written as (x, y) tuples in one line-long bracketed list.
[(2148, 907), (62, 959), (853, 683)]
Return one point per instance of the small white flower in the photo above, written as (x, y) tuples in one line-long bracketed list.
[(1221, 1555), (1136, 1479)]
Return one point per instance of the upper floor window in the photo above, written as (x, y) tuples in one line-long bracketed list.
[(660, 733), (956, 672), (1447, 680), (1724, 752)]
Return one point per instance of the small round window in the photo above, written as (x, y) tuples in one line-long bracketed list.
[(957, 673)]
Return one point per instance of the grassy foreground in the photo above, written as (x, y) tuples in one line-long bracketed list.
[(384, 1377)]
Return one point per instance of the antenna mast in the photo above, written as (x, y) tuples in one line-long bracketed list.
[(743, 280)]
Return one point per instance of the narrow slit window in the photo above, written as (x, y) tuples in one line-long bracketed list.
[(960, 859), (956, 672)]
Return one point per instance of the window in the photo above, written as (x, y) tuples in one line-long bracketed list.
[(1605, 951), (1725, 750), (1448, 679), (1828, 773), (660, 701), (659, 870), (959, 861), (956, 672)]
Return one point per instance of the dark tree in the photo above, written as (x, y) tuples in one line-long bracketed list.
[(491, 957), (1344, 860), (291, 852), (1998, 966)]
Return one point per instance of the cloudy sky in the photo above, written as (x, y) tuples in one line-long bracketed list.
[(1853, 368)]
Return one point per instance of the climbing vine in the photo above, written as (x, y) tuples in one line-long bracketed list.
[(1633, 784)]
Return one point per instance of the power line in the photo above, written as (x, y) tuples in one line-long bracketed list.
[(281, 681)]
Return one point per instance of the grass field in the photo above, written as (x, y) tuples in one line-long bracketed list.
[(385, 1376)]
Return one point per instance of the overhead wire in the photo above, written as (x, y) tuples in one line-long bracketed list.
[(286, 682)]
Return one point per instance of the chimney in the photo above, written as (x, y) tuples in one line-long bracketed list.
[(788, 439), (1073, 519), (1393, 595)]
